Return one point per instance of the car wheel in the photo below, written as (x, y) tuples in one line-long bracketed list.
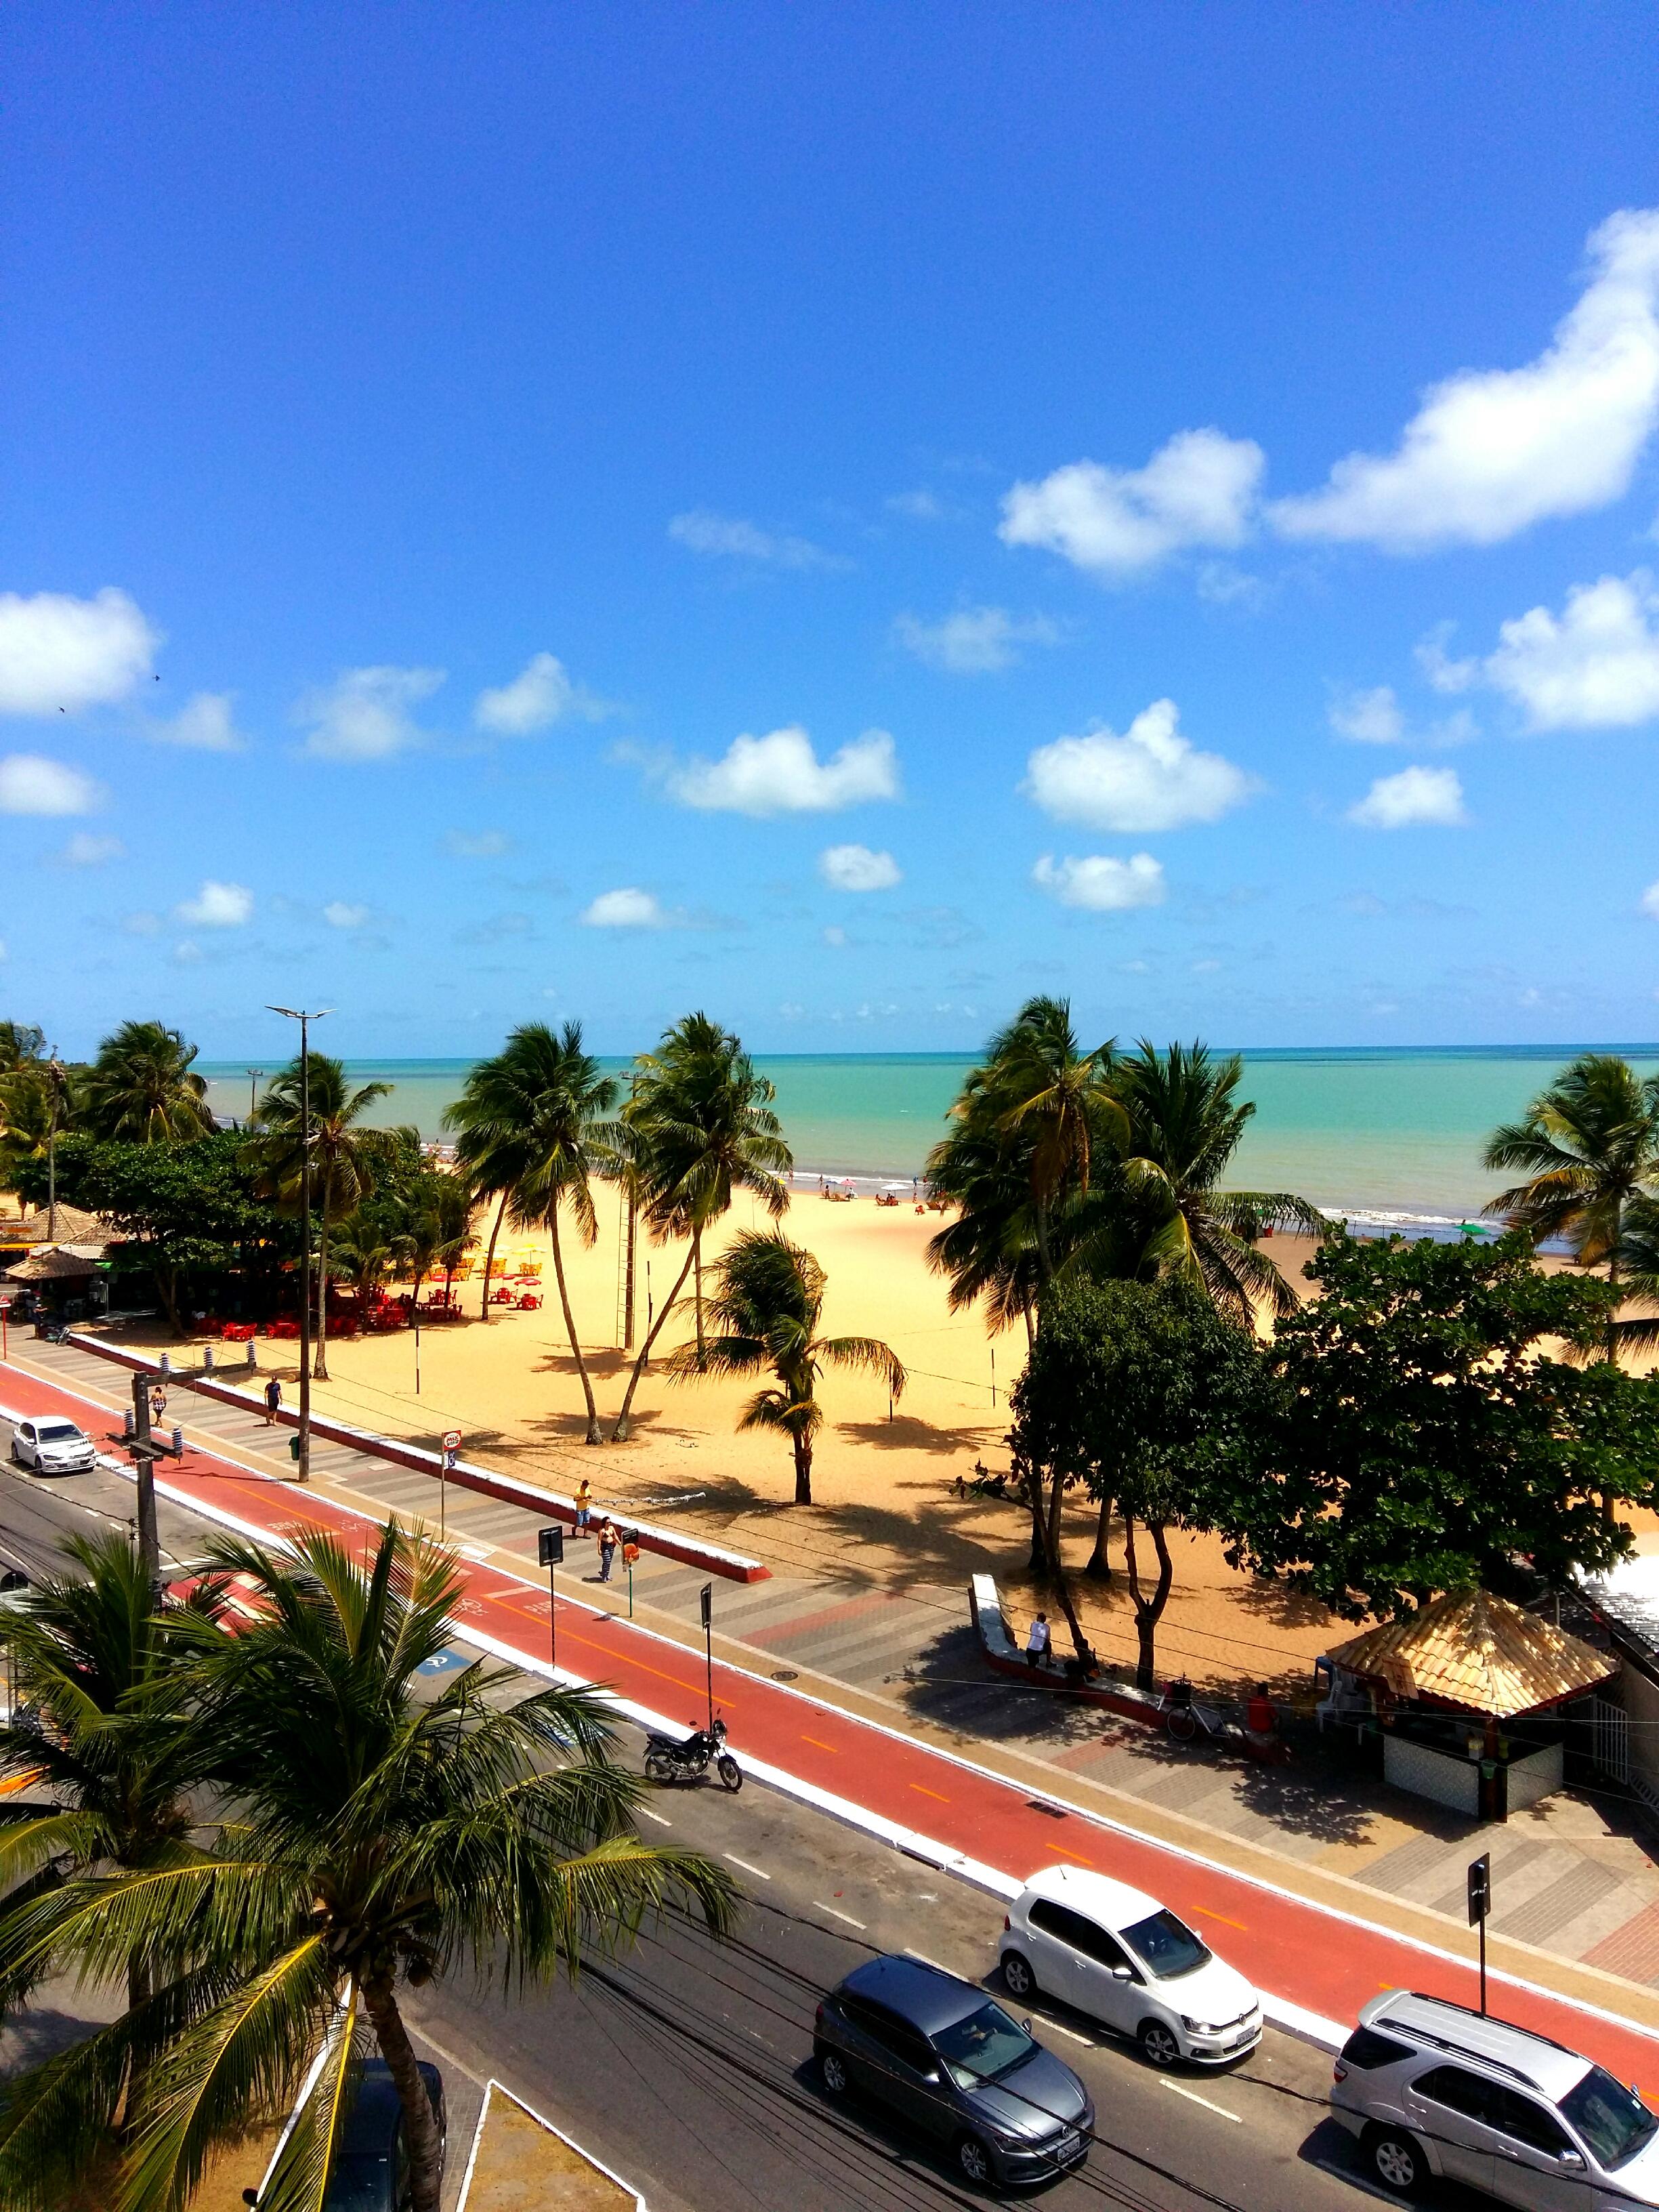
[(1396, 2161), (1017, 1975), (832, 2072), (1158, 2042), (973, 2160)]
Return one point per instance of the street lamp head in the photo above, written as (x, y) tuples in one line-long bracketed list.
[(301, 1013)]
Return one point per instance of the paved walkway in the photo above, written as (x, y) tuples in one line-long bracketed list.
[(1572, 1878)]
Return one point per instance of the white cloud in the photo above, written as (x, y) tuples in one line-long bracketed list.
[(781, 773), (84, 850), (363, 715), (1150, 778), (856, 868), (30, 784), (478, 844), (1650, 900), (55, 651), (919, 506), (203, 725), (630, 909), (834, 935), (1196, 490), (1368, 718), (339, 915), (1416, 798), (1594, 667), (187, 953), (1100, 883), (540, 694), (730, 536), (1491, 451), (975, 639), (217, 906), (1445, 673)]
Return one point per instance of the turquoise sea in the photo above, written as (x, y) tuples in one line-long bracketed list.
[(1381, 1136)]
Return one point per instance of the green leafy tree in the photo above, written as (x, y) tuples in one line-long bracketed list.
[(1421, 1439), (698, 1128), (489, 1150), (344, 1156), (96, 1767), (1589, 1146), (363, 1257), (22, 1045), (374, 1837), (768, 1308), (1144, 1393), (143, 1089), (188, 1212)]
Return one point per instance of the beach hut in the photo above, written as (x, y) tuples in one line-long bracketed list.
[(1473, 1697)]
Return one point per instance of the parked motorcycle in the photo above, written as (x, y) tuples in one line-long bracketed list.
[(687, 1759)]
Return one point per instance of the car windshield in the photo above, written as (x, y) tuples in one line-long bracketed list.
[(58, 1432), (360, 2184), (983, 2046), (1612, 2120), (1166, 1945)]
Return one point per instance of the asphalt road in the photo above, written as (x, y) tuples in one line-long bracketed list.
[(686, 2065)]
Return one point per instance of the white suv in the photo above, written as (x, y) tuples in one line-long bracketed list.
[(1429, 2087), (52, 1446), (1120, 1956)]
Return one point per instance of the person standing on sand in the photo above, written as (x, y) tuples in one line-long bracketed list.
[(608, 1541), (273, 1400), (1037, 1642)]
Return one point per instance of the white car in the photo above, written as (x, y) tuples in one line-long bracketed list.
[(53, 1446), (1125, 1960)]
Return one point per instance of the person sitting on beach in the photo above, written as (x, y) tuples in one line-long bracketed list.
[(1037, 1642)]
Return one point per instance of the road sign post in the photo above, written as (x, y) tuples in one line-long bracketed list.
[(550, 1551), (451, 1443), (1479, 1906), (706, 1602)]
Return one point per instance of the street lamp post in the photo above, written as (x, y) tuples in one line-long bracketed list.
[(305, 1017), (55, 1097)]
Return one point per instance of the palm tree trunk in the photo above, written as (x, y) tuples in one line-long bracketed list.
[(803, 1472), (1038, 1562), (1045, 1260), (420, 2127), (620, 1434), (490, 1258), (319, 1364), (594, 1436), (1056, 1564), (697, 1263)]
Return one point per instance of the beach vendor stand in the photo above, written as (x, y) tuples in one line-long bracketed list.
[(1472, 1700), (60, 1280)]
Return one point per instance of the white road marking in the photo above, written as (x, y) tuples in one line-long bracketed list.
[(924, 1961), (1193, 2097), (836, 1914), (759, 1871), (1072, 2034), (661, 1819)]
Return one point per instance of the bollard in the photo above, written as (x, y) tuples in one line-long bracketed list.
[(253, 1353)]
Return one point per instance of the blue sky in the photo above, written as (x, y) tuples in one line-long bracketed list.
[(843, 516)]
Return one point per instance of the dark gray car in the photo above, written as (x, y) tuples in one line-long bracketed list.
[(949, 2059)]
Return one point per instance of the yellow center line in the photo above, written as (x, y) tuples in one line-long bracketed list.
[(1202, 1914), (822, 1746), (1074, 1858), (930, 1793)]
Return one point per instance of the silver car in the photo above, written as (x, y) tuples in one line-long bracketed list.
[(1431, 2087), (52, 1445)]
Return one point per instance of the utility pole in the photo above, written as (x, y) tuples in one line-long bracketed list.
[(305, 1018), (253, 1075), (55, 1097), (145, 1448)]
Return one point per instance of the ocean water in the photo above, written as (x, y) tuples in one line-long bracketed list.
[(1380, 1135)]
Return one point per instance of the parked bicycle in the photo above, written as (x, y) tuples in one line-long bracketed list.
[(1184, 1718)]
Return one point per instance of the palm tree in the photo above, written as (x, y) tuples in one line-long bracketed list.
[(22, 1044), (767, 1307), (1044, 1090), (1589, 1146), (698, 1129), (142, 1089), (98, 1679), (536, 1113), (1185, 1124), (374, 1836), (489, 1152), (363, 1257), (344, 1156)]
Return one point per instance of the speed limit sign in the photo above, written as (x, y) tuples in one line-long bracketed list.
[(451, 1440)]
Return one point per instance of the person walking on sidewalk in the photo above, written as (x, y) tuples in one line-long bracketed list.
[(273, 1400), (584, 1505), (608, 1542), (1037, 1642)]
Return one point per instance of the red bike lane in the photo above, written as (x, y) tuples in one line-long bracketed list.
[(1325, 1962)]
